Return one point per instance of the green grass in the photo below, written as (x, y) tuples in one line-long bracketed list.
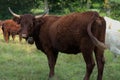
[(20, 61)]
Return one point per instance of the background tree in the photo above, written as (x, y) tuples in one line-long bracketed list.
[(46, 6), (18, 6), (105, 7)]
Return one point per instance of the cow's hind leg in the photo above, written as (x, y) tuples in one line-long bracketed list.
[(6, 36), (100, 62), (13, 37), (88, 57), (20, 38)]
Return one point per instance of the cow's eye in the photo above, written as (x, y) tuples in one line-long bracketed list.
[(31, 25)]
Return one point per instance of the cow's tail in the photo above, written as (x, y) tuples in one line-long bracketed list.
[(99, 44)]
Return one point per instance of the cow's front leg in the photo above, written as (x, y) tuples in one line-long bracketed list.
[(52, 58)]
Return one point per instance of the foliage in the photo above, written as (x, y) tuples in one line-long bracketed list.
[(17, 6), (115, 10), (60, 7)]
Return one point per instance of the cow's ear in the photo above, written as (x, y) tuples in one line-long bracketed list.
[(38, 22), (16, 19)]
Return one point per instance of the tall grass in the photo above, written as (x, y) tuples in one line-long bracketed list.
[(20, 61)]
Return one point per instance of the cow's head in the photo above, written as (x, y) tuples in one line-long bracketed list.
[(27, 23)]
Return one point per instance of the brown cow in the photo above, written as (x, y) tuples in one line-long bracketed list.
[(73, 33), (10, 27)]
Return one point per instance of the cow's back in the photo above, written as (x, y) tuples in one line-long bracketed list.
[(69, 33), (11, 26)]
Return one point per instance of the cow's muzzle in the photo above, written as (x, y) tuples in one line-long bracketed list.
[(24, 35), (30, 40)]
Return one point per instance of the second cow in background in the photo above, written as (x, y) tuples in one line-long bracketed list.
[(9, 27)]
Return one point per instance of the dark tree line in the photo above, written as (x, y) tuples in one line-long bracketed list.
[(19, 6), (109, 7)]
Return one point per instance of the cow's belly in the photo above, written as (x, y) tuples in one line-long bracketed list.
[(67, 45), (68, 49)]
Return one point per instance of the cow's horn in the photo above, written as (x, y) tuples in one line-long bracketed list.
[(14, 14), (38, 16)]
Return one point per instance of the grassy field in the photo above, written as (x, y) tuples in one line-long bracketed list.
[(20, 61)]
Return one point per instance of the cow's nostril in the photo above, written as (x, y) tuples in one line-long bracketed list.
[(24, 35), (30, 40)]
